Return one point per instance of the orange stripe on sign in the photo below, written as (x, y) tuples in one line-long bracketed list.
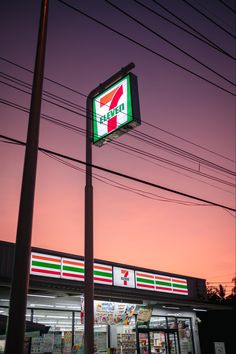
[(159, 277), (46, 258), (145, 275), (107, 98), (102, 268), (179, 281), (73, 263)]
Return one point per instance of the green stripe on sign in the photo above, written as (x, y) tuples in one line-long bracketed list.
[(73, 269), (158, 282), (46, 265), (102, 274), (179, 286), (144, 280)]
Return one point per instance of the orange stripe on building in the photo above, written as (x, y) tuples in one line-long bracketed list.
[(46, 258), (181, 281), (103, 268), (159, 277), (107, 98), (73, 263), (145, 275)]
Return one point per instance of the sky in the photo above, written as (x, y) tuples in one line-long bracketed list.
[(133, 223)]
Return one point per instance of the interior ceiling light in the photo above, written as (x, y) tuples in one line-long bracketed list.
[(46, 296), (171, 307), (203, 310)]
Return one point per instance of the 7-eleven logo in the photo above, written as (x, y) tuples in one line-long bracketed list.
[(110, 109), (111, 100), (125, 276)]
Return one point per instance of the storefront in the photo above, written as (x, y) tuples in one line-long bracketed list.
[(136, 310)]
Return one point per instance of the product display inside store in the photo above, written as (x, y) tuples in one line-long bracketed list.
[(115, 329)]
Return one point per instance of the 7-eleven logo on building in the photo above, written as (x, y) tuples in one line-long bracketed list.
[(123, 277), (112, 109)]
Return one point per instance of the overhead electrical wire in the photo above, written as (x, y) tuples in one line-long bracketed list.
[(143, 121), (119, 174), (170, 169), (188, 141), (226, 5), (206, 42), (122, 186), (156, 143), (169, 42), (136, 134), (208, 18), (184, 22), (150, 155), (145, 47), (153, 141), (114, 144), (213, 14)]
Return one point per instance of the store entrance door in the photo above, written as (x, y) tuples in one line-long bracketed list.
[(155, 341)]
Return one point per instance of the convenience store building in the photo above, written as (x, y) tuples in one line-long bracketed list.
[(137, 310)]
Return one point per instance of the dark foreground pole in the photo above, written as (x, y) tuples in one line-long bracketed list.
[(88, 240), (20, 281)]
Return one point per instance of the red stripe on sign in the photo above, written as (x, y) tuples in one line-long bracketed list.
[(163, 288), (180, 291), (146, 286), (73, 275), (112, 123), (45, 271), (102, 279)]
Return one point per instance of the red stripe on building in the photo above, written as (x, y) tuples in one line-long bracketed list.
[(73, 275), (102, 279), (163, 288), (45, 271), (146, 286)]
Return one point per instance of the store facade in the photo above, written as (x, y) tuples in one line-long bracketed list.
[(136, 310)]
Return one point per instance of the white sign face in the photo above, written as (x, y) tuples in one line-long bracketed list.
[(112, 109), (123, 277)]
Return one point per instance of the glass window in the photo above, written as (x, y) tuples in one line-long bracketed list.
[(157, 322), (172, 323), (185, 335), (56, 320)]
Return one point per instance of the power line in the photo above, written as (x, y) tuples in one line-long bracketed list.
[(187, 141), (226, 5), (168, 41), (83, 132), (186, 24), (206, 42), (143, 137), (212, 13), (138, 135), (143, 121), (146, 48), (208, 18), (122, 186), (119, 174), (124, 146)]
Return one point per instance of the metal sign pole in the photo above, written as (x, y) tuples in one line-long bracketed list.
[(88, 241), (20, 280)]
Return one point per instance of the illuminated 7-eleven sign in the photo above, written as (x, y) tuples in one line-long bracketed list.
[(116, 110)]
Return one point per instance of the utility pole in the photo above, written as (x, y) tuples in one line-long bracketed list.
[(20, 280)]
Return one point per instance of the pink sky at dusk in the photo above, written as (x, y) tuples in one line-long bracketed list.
[(128, 228)]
